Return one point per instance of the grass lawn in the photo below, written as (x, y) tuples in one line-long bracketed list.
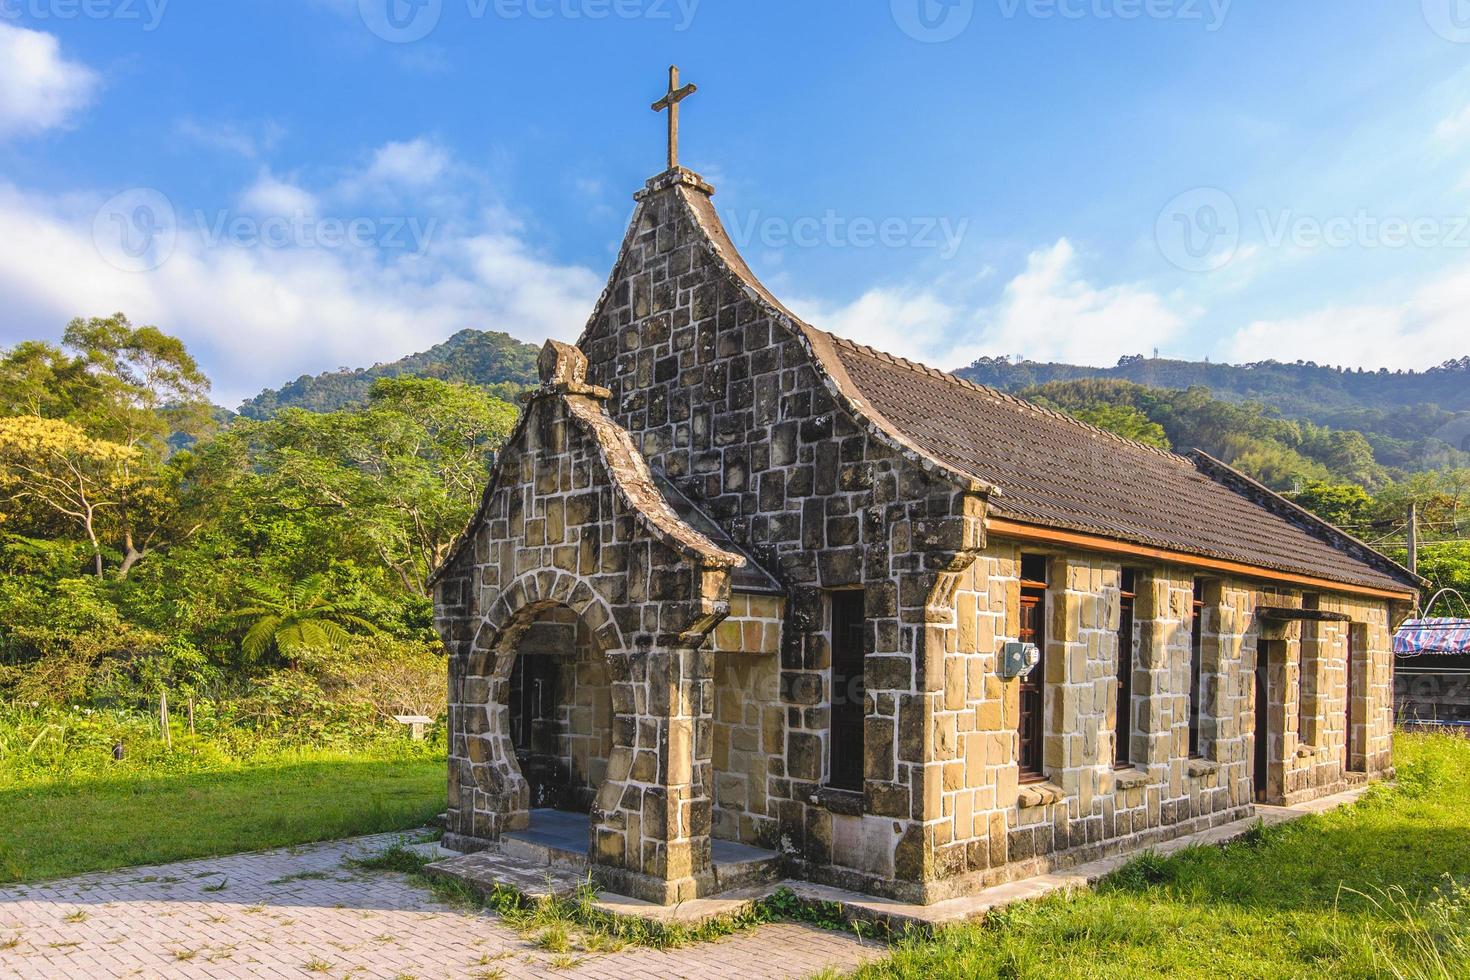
[(1378, 889), (53, 828)]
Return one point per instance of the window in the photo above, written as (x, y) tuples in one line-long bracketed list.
[(1031, 724), (1269, 654), (845, 741), (1123, 739), (1357, 729), (1196, 667)]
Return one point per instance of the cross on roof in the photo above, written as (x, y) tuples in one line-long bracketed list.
[(671, 102)]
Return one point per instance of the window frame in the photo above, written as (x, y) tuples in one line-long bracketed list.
[(1127, 654), (847, 720), (1357, 673), (1197, 671), (1031, 713), (1309, 655)]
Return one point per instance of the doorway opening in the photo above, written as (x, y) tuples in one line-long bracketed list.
[(561, 724)]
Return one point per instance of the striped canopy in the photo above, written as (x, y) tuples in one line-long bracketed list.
[(1420, 637)]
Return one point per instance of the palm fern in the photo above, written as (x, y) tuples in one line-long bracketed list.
[(295, 620)]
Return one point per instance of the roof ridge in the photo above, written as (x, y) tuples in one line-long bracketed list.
[(942, 375)]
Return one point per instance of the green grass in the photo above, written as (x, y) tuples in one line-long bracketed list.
[(55, 827), (1378, 889)]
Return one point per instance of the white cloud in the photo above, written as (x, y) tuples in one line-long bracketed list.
[(416, 163), (1454, 127), (39, 89), (259, 316), (1427, 328), (250, 140), (271, 195), (911, 323), (1047, 312)]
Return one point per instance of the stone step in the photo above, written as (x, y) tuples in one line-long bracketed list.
[(739, 866), (553, 837), (541, 852), (485, 870)]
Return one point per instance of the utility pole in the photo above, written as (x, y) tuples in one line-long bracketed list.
[(1414, 538)]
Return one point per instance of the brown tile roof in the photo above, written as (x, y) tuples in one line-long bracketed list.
[(1057, 472)]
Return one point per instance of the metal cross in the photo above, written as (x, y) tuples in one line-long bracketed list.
[(671, 103)]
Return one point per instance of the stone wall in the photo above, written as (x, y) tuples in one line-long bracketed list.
[(985, 826), (572, 519), (723, 396), (973, 730), (1319, 756), (752, 627), (749, 718)]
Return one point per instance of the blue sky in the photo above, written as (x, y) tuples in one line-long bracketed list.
[(297, 185)]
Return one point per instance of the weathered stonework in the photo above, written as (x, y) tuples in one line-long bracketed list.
[(572, 520), (690, 376), (719, 386)]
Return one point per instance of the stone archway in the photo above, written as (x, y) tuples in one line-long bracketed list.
[(504, 796), (561, 712)]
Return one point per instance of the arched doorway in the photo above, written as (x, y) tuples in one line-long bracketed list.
[(560, 712)]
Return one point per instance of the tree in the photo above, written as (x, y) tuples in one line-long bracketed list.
[(295, 620), (1447, 566), (39, 379), (1337, 503), (55, 466), (124, 386), (1443, 500), (1126, 421), (397, 481), (1347, 454), (140, 384)]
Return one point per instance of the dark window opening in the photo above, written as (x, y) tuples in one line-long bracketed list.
[(1268, 652), (845, 742), (1356, 740), (1196, 667), (1123, 739), (1306, 680), (1031, 725)]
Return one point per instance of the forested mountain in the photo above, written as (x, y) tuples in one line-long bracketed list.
[(1304, 389), (489, 359), (1403, 415), (1286, 423)]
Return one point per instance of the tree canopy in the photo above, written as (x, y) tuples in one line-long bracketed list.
[(147, 542)]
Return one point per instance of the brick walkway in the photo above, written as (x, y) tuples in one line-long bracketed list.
[(300, 913)]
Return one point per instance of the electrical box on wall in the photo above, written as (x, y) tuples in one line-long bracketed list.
[(1018, 660)]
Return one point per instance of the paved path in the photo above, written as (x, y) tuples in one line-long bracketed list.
[(300, 912)]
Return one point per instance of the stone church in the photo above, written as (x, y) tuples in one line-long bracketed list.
[(744, 597)]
